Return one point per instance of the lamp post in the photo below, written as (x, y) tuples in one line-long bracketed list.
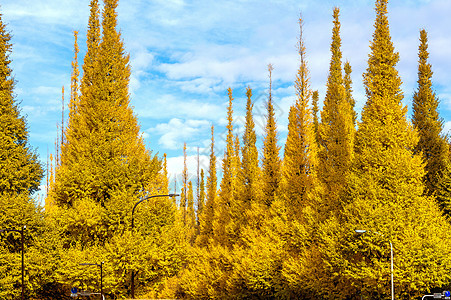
[(133, 226), (101, 275), (21, 242), (361, 231)]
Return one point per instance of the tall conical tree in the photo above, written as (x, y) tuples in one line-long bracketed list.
[(184, 195), (162, 179), (347, 80), (75, 79), (74, 104), (295, 219), (427, 121), (20, 171), (271, 162), (300, 147), (105, 164), (165, 176), (79, 105), (201, 199), (190, 214), (224, 233), (336, 130), (385, 196), (238, 208), (250, 170), (208, 214), (76, 128), (20, 176), (315, 98), (93, 39), (236, 165), (198, 175)]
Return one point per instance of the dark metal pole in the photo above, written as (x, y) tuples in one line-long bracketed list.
[(132, 285), (391, 268), (391, 259), (23, 264), (101, 275), (101, 280), (23, 285)]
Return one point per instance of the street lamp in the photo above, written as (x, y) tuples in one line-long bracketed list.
[(133, 226), (361, 231), (101, 275), (21, 238)]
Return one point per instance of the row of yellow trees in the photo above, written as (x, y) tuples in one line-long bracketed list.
[(282, 226), (286, 228), (101, 169)]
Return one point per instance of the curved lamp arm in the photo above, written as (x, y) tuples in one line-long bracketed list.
[(133, 226), (145, 198), (361, 231)]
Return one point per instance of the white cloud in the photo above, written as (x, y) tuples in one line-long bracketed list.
[(175, 166), (176, 132), (168, 105), (40, 195), (56, 13), (211, 61), (184, 55), (46, 90), (445, 99), (140, 61), (145, 135), (175, 169), (447, 128), (201, 85)]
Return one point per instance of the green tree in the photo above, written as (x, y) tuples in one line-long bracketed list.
[(428, 123)]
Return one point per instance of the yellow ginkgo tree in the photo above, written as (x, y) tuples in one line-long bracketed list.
[(385, 197)]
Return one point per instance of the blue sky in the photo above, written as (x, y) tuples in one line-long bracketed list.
[(185, 54)]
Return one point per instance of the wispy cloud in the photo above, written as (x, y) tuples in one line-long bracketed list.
[(447, 128), (184, 55), (169, 105), (176, 132), (175, 165)]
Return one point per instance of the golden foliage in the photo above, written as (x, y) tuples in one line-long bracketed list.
[(286, 230)]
